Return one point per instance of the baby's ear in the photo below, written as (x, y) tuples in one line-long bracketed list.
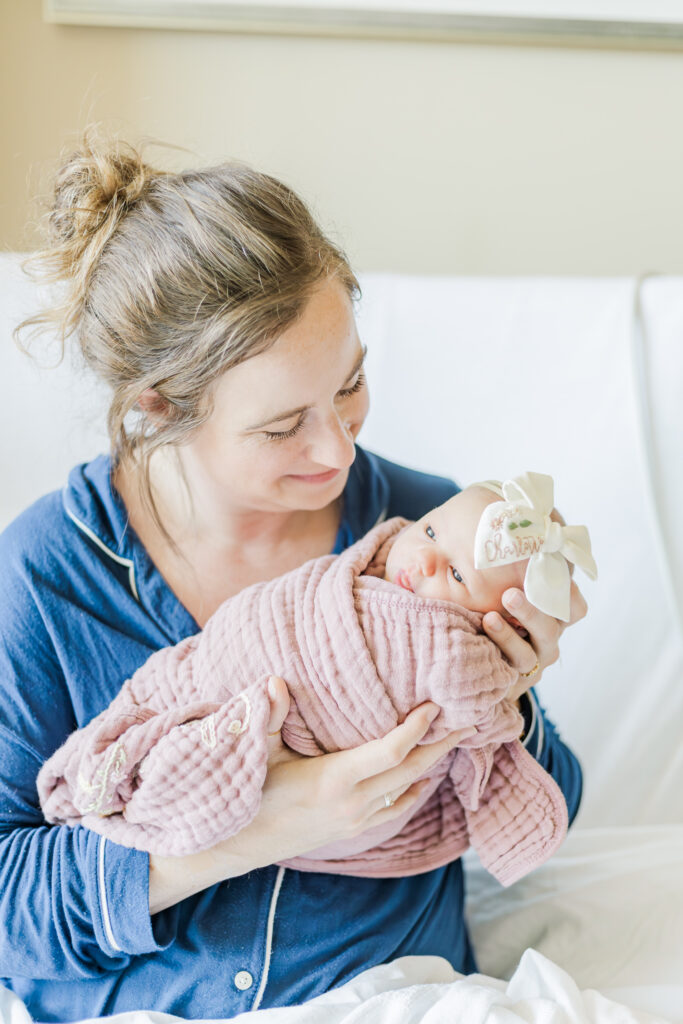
[(557, 517)]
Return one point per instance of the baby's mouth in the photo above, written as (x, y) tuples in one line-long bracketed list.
[(403, 580)]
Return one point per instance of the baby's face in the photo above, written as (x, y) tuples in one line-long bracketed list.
[(434, 557)]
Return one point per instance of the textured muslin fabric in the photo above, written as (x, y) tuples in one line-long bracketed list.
[(178, 760)]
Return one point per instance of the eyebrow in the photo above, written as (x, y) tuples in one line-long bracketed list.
[(302, 408)]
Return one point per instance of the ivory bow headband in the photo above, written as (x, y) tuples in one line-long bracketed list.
[(520, 527)]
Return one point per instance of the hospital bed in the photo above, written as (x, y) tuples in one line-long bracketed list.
[(478, 378)]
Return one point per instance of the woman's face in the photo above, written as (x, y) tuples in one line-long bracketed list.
[(282, 429)]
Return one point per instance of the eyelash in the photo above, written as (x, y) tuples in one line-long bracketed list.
[(360, 382), (282, 435), (432, 536)]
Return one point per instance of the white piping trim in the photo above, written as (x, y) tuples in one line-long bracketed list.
[(537, 720), (269, 938), (534, 716), (104, 905), (128, 562)]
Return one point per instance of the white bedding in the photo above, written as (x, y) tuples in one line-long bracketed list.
[(608, 909), (593, 937), (426, 990)]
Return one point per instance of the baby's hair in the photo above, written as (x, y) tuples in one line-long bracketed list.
[(170, 279)]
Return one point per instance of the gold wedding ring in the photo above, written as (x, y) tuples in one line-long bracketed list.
[(534, 670)]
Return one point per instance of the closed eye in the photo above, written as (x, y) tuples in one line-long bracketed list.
[(360, 383), (282, 435)]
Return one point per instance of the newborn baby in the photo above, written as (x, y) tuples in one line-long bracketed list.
[(178, 760)]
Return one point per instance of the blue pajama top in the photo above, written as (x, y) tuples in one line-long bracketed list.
[(81, 608)]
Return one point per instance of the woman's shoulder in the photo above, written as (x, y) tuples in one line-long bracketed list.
[(404, 491), (32, 537), (38, 546)]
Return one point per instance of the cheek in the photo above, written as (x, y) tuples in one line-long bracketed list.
[(390, 569), (270, 461), (400, 553), (443, 592)]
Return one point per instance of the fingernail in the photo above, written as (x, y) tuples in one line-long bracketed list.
[(494, 622), (271, 688), (470, 732), (514, 600)]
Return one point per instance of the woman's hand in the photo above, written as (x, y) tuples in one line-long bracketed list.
[(532, 655), (309, 802)]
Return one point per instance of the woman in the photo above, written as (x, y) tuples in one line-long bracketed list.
[(222, 318)]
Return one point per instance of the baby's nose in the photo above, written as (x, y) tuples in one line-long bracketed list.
[(426, 561)]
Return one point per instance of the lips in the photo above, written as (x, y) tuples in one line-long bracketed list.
[(403, 580), (317, 478)]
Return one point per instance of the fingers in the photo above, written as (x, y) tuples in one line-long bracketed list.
[(519, 652), (542, 645), (402, 799), (578, 607), (279, 704), (418, 760), (378, 755)]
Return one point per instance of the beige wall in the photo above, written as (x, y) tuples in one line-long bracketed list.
[(420, 157)]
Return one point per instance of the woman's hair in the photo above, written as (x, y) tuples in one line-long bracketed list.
[(170, 279)]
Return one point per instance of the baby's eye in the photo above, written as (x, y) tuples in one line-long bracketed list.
[(456, 574), (430, 533)]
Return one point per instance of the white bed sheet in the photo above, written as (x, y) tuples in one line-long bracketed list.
[(593, 937), (426, 990), (608, 909)]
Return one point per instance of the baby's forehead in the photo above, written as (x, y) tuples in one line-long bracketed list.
[(472, 499)]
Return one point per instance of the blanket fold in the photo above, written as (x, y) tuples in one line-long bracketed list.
[(178, 760)]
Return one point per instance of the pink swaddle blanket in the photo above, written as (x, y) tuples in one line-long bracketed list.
[(178, 760)]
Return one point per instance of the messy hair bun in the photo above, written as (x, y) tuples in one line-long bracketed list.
[(95, 186), (92, 190), (168, 280)]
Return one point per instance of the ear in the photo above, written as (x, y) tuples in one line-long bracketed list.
[(153, 405)]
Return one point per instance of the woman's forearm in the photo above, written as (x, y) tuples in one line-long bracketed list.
[(262, 842), (172, 879)]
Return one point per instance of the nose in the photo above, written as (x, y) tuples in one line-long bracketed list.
[(427, 560), (334, 443)]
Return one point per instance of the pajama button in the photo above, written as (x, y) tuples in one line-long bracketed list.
[(243, 980)]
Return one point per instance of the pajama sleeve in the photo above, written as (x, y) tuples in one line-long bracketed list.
[(72, 904)]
